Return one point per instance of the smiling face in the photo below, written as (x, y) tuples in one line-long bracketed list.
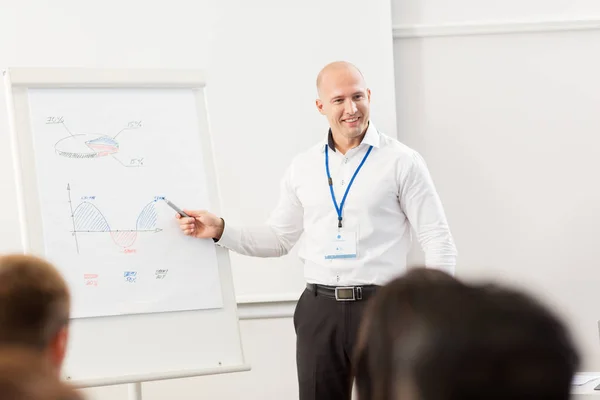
[(344, 99)]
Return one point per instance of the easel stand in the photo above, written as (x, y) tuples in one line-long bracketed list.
[(135, 391), (134, 382)]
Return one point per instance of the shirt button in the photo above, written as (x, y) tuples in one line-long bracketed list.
[(342, 183), (345, 161)]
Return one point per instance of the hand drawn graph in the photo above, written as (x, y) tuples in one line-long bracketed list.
[(88, 219), (92, 145)]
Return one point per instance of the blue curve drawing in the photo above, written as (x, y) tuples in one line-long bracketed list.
[(147, 218), (87, 218)]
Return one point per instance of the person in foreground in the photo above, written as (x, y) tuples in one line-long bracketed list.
[(34, 307), (427, 336), (354, 197), (26, 375)]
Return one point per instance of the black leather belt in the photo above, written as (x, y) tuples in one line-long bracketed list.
[(343, 293)]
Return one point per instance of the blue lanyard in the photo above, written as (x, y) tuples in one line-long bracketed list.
[(341, 206)]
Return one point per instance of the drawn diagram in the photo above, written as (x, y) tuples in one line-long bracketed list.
[(92, 145), (86, 146), (88, 219)]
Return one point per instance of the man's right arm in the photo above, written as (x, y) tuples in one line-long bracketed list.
[(273, 239)]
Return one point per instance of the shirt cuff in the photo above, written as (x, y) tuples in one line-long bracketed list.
[(231, 237)]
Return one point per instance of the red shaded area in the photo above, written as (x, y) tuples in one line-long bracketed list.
[(124, 239), (103, 149)]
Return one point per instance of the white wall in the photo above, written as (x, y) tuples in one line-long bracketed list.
[(435, 12), (508, 124), (262, 58)]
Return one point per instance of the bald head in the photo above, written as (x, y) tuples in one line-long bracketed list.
[(335, 69), (344, 99)]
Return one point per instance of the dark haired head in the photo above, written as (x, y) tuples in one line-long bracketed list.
[(427, 336)]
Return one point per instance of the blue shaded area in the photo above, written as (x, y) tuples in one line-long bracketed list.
[(104, 140), (87, 217), (147, 218)]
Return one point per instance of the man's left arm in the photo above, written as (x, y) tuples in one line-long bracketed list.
[(420, 202)]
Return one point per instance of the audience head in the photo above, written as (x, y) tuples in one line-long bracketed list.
[(34, 306), (427, 336), (26, 375)]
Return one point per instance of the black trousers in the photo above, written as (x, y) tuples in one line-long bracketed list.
[(326, 333)]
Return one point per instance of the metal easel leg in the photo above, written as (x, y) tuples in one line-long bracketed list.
[(135, 391)]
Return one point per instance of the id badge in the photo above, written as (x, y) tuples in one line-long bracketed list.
[(342, 245)]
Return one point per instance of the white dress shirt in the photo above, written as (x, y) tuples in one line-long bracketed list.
[(392, 192)]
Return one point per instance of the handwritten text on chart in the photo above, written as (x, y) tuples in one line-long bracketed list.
[(161, 273), (55, 120), (90, 280), (130, 276)]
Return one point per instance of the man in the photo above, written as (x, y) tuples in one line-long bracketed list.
[(427, 336), (34, 307), (355, 197)]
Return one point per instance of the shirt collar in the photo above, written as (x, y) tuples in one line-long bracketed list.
[(371, 138)]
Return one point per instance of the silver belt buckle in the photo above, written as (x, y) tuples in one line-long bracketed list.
[(345, 293)]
